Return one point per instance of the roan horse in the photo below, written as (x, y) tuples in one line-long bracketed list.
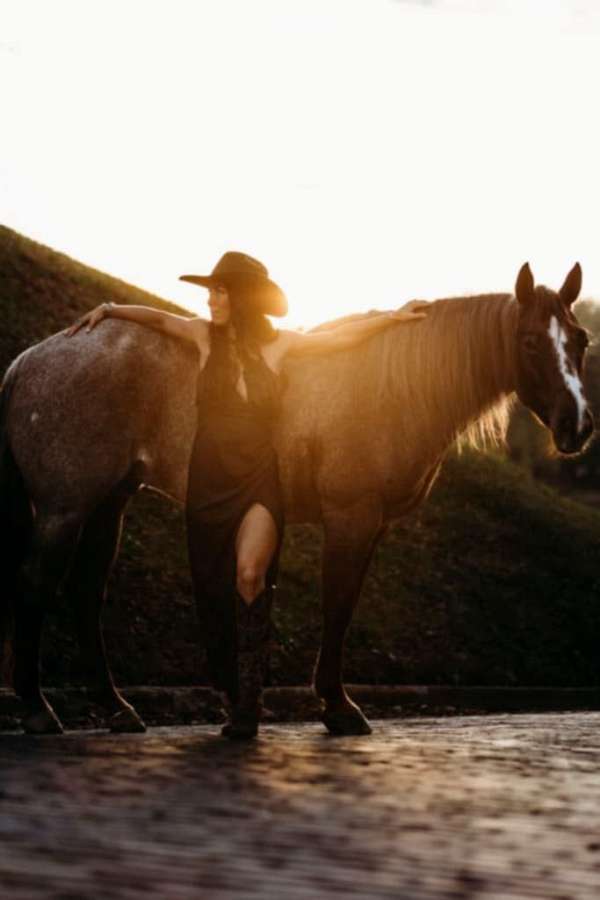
[(87, 421)]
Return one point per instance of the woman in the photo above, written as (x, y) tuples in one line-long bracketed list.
[(234, 509)]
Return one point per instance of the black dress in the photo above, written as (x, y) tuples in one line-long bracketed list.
[(233, 465)]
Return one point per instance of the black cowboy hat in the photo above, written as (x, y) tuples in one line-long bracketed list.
[(240, 269)]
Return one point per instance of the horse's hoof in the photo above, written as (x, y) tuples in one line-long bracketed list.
[(126, 721), (346, 721), (42, 721)]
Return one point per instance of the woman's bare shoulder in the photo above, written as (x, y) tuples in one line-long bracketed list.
[(199, 328), (285, 340), (275, 351)]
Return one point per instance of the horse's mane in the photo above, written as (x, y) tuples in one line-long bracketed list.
[(451, 374)]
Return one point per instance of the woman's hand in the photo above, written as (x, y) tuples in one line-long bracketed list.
[(413, 311), (89, 320)]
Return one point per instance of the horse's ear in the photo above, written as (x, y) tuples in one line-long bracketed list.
[(524, 288), (569, 292)]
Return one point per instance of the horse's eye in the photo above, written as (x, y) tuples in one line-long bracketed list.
[(531, 343)]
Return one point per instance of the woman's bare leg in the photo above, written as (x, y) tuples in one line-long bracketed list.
[(256, 542)]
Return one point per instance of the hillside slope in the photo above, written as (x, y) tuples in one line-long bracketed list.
[(495, 580)]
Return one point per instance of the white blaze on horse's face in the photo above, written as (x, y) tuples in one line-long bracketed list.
[(567, 369)]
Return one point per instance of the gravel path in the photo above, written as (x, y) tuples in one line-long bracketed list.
[(504, 806)]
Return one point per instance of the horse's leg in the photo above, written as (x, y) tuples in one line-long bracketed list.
[(16, 526), (53, 542), (350, 538), (86, 587)]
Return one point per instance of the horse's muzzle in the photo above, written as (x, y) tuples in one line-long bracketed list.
[(571, 437)]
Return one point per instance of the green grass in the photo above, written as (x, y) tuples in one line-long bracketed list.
[(496, 580)]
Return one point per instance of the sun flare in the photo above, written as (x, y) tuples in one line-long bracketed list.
[(368, 152)]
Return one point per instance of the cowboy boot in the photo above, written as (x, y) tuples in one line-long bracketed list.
[(253, 634)]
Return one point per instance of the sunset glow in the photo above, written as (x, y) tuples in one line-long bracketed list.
[(368, 151)]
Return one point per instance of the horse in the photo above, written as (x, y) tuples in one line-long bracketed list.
[(87, 421)]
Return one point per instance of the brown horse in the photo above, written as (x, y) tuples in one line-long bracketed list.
[(89, 420)]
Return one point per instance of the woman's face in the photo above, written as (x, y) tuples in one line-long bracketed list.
[(218, 304)]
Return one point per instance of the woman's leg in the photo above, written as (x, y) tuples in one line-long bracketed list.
[(255, 544)]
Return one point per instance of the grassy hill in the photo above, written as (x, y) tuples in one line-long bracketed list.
[(495, 581)]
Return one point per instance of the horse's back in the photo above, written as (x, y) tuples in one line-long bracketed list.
[(85, 409)]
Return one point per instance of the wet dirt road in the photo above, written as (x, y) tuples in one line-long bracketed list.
[(501, 806)]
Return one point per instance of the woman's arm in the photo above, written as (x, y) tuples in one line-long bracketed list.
[(169, 323), (352, 333)]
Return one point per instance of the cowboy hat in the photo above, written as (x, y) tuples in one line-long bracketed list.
[(240, 269)]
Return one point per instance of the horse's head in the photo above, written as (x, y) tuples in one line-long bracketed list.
[(551, 348)]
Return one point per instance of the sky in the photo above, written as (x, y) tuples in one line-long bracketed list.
[(367, 151)]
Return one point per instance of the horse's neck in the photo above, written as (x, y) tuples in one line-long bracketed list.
[(468, 372)]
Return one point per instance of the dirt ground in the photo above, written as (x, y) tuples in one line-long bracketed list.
[(503, 806)]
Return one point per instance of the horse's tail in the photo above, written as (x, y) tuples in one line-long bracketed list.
[(16, 521)]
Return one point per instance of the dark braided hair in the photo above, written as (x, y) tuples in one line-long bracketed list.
[(230, 346), (251, 326)]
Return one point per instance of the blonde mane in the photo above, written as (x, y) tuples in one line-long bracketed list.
[(451, 376)]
